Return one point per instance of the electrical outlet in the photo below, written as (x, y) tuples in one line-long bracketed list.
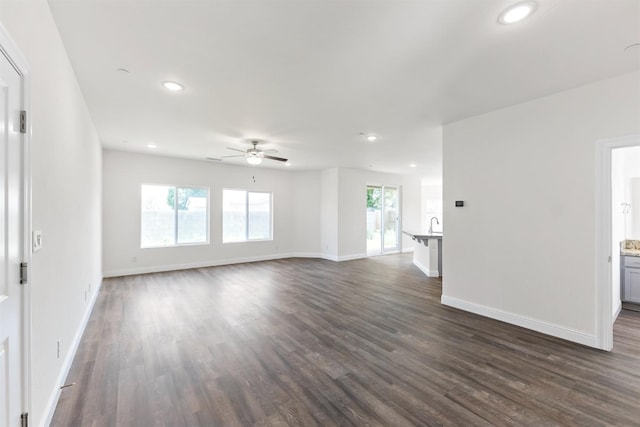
[(58, 350), (134, 259)]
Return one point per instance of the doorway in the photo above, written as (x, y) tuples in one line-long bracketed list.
[(625, 228), (383, 219), (607, 248)]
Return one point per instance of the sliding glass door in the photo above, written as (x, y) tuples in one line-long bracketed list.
[(383, 219)]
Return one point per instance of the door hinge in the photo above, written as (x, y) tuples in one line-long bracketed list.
[(24, 273), (23, 121), (24, 418)]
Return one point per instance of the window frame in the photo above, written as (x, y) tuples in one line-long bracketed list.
[(175, 216), (246, 204)]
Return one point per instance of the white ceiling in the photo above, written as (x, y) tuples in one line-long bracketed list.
[(310, 76)]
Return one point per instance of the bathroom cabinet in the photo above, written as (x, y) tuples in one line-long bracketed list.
[(630, 279)]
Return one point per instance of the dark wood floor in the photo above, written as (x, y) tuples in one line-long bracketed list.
[(306, 342)]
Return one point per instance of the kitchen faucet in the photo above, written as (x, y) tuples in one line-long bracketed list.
[(431, 224)]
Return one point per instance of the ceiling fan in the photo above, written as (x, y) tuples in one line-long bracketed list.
[(254, 155)]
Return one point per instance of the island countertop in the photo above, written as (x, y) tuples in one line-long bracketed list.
[(422, 237)]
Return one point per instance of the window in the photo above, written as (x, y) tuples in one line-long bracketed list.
[(246, 215), (173, 215)]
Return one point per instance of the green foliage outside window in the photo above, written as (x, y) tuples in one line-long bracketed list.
[(373, 198), (183, 196)]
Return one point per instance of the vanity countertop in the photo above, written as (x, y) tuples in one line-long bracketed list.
[(630, 247)]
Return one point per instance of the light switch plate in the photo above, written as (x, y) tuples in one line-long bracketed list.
[(37, 240)]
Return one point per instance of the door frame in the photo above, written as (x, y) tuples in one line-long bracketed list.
[(10, 49), (398, 249), (604, 311)]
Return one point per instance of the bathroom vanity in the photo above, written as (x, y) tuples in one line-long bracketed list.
[(630, 271)]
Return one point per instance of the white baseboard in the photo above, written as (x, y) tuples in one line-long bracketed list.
[(228, 261), (50, 407), (190, 265), (425, 270), (351, 257), (525, 322), (617, 311)]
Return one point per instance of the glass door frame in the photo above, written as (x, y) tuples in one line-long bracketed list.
[(398, 220)]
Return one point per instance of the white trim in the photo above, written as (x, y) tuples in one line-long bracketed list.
[(407, 250), (425, 270), (228, 261), (329, 257), (15, 56), (190, 265), (617, 312), (525, 322), (604, 311), (352, 257), (50, 407)]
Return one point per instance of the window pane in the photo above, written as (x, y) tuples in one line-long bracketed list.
[(192, 215), (158, 216), (234, 216), (259, 216)]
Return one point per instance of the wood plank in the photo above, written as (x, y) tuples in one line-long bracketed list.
[(305, 342)]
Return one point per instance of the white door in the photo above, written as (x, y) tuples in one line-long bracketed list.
[(11, 208)]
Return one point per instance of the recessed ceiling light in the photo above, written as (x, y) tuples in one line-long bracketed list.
[(372, 138), (412, 165), (173, 86), (123, 70), (517, 12), (152, 146)]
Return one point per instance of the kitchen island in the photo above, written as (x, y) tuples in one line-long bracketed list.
[(427, 253)]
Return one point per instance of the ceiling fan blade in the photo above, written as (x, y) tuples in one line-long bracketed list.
[(235, 149), (225, 157), (279, 159), (214, 159)]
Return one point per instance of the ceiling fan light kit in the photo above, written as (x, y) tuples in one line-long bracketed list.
[(255, 155), (254, 160)]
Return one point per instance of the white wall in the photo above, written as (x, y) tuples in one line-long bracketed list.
[(329, 213), (633, 186), (296, 212), (523, 247), (318, 214), (431, 206), (307, 190), (66, 199), (632, 191)]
